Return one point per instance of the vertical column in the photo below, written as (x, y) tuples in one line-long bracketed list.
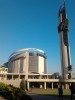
[(52, 85), (12, 77), (65, 85), (68, 86), (26, 63), (19, 76), (18, 64), (44, 85), (6, 77), (40, 85), (25, 68), (28, 85)]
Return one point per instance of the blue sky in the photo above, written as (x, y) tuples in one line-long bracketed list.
[(33, 24)]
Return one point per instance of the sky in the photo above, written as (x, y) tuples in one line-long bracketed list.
[(33, 24)]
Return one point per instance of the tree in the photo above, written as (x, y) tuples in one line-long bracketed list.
[(5, 64), (56, 75), (23, 85)]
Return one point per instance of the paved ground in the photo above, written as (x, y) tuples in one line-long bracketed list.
[(1, 98), (41, 97)]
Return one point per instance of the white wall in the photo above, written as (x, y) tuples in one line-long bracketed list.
[(41, 64)]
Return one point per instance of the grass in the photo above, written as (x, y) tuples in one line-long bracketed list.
[(49, 91)]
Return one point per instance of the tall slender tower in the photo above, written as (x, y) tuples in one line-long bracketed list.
[(63, 28)]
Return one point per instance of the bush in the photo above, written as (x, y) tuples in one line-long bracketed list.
[(2, 86), (23, 85), (12, 93)]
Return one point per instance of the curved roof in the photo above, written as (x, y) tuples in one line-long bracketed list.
[(21, 51)]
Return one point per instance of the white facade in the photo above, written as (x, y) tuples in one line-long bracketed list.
[(41, 65), (28, 62), (3, 70)]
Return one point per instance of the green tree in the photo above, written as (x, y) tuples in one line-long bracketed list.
[(56, 75), (22, 88), (23, 85), (5, 64)]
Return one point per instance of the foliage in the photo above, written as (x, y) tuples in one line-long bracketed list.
[(10, 92), (2, 86), (56, 75), (23, 85), (22, 88), (60, 77), (5, 64), (53, 77)]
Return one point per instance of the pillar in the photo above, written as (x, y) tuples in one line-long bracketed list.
[(66, 85), (40, 85), (44, 85), (52, 85), (12, 77), (19, 76), (26, 63), (40, 77), (28, 85), (6, 77)]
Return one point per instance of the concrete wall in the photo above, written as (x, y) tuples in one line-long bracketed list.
[(15, 83)]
